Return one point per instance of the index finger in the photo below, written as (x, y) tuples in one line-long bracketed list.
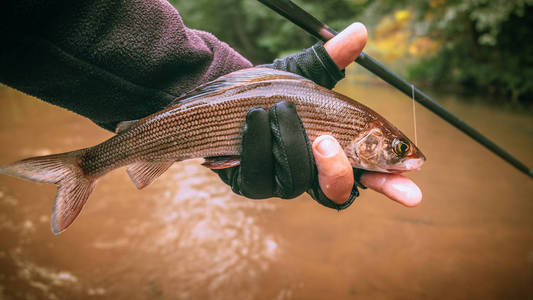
[(395, 186)]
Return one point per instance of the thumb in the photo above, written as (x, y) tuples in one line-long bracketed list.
[(335, 174), (346, 46)]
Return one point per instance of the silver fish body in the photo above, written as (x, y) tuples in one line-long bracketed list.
[(208, 123)]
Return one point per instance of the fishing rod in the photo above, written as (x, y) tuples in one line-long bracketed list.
[(323, 32)]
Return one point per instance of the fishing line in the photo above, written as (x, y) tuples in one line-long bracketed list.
[(414, 112), (323, 32)]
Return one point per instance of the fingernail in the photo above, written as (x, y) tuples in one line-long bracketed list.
[(327, 147)]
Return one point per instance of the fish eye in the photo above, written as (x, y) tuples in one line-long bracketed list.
[(400, 147)]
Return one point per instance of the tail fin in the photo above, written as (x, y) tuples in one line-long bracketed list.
[(73, 187)]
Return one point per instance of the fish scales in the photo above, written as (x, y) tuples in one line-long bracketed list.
[(208, 122), (200, 127)]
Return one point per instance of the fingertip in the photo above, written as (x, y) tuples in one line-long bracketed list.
[(357, 36), (361, 28), (395, 186), (256, 113), (326, 146), (346, 46), (256, 110), (411, 195), (329, 156)]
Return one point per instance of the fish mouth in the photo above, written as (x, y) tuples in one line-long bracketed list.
[(408, 165)]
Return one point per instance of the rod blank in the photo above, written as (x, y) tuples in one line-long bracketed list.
[(313, 26)]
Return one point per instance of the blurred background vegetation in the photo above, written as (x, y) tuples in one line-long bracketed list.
[(476, 46)]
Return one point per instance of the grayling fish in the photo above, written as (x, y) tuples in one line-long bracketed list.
[(208, 123)]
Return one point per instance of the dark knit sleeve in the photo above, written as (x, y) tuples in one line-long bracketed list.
[(313, 63), (108, 60)]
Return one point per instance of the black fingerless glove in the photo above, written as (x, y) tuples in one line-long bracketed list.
[(313, 63), (277, 159)]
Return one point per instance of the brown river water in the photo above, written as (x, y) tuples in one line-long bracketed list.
[(187, 236)]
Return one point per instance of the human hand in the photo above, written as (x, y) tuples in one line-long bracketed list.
[(334, 187), (334, 171), (276, 158)]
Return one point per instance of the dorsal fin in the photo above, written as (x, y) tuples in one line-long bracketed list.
[(221, 84), (234, 79), (125, 125)]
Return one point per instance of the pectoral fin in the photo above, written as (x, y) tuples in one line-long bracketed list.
[(221, 162)]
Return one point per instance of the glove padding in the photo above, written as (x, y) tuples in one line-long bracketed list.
[(277, 159)]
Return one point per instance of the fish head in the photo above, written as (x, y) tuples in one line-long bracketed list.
[(382, 147)]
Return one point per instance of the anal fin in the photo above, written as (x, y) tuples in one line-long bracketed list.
[(221, 162), (144, 173)]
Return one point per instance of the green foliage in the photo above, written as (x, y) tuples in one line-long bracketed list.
[(257, 32), (486, 46)]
